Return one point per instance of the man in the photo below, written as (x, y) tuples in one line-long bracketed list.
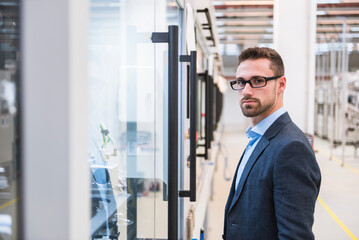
[(277, 180)]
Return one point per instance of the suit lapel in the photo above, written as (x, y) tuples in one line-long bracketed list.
[(261, 146), (233, 189)]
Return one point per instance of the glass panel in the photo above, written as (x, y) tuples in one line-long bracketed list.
[(9, 119), (128, 118), (122, 130)]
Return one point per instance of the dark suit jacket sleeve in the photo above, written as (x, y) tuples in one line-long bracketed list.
[(296, 181)]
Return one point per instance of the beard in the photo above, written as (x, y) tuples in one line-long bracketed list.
[(256, 109)]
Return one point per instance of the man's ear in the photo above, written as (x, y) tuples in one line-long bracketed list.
[(282, 84)]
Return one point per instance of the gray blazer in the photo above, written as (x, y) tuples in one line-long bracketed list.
[(276, 194)]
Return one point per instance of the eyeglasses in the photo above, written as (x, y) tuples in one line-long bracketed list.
[(254, 82)]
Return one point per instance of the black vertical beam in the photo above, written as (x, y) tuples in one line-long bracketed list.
[(193, 120), (172, 39), (211, 109), (188, 87), (173, 133), (208, 114), (203, 79), (214, 117), (200, 125)]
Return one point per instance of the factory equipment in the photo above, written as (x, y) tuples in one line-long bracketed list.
[(336, 99), (108, 190)]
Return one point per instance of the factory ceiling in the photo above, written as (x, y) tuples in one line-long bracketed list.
[(250, 22)]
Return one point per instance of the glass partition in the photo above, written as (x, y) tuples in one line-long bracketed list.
[(128, 118), (9, 120)]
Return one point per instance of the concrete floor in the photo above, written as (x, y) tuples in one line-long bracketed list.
[(337, 208)]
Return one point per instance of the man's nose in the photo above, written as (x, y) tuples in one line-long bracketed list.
[(247, 90)]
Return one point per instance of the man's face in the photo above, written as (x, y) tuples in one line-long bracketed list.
[(258, 103)]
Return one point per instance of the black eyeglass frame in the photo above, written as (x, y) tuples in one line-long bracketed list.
[(249, 82)]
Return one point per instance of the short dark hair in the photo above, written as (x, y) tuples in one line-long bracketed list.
[(255, 53)]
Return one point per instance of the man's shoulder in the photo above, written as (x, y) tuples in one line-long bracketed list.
[(290, 134), (285, 125), (284, 131)]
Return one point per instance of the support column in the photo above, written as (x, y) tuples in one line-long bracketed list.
[(294, 38), (55, 198)]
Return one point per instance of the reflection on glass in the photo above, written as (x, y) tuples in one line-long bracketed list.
[(9, 119)]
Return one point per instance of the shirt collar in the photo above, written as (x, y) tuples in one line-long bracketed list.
[(263, 125)]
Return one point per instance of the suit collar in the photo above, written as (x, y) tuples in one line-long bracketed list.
[(277, 126), (261, 146)]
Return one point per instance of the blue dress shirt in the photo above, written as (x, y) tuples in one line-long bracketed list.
[(254, 135)]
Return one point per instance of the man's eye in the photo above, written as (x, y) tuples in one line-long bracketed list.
[(241, 82), (259, 81)]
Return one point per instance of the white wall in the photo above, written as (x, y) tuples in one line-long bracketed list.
[(232, 116)]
